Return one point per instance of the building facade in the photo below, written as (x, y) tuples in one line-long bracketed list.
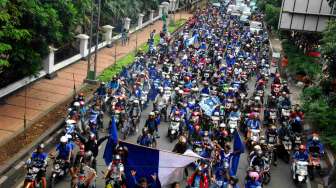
[(306, 15)]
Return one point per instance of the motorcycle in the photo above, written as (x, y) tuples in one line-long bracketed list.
[(287, 146), (300, 172), (233, 124), (32, 180), (314, 161), (58, 172), (174, 129)]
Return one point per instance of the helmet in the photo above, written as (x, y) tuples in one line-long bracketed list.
[(92, 136), (117, 157), (216, 113), (81, 94), (102, 83), (257, 148), (152, 113), (82, 103), (254, 175), (222, 125), (302, 147), (182, 139), (64, 139), (177, 112), (259, 153), (40, 146), (76, 104), (136, 101), (316, 137)]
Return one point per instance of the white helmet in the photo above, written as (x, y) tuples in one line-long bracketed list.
[(257, 148), (222, 125), (76, 104), (64, 139)]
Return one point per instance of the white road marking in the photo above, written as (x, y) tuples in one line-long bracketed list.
[(49, 140), (3, 179), (19, 165)]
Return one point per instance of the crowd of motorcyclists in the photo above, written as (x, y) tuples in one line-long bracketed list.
[(201, 82)]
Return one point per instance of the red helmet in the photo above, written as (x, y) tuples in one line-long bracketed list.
[(186, 79)]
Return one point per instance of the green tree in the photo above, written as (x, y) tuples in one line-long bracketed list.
[(329, 47), (272, 15)]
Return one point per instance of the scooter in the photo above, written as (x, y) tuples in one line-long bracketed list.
[(58, 172), (300, 172), (173, 129), (32, 180), (314, 161)]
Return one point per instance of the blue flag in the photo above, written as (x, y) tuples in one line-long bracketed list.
[(111, 143), (168, 166), (238, 148)]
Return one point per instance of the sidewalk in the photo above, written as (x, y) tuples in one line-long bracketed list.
[(44, 95)]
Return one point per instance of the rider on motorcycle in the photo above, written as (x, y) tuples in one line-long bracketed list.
[(101, 90), (40, 157), (64, 150), (301, 154), (258, 160), (272, 138), (151, 123)]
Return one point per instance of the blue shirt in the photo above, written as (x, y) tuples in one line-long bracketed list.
[(63, 151), (300, 156), (39, 156)]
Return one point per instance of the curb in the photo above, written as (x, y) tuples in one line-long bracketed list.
[(21, 154)]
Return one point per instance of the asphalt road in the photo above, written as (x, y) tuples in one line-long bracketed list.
[(280, 175)]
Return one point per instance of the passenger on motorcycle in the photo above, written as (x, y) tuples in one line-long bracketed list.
[(315, 142), (146, 139), (40, 157), (115, 174)]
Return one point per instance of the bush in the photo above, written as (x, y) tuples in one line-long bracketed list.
[(300, 64)]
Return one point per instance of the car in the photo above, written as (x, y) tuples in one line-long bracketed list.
[(255, 27)]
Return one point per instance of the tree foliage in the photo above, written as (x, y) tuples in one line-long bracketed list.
[(29, 27), (329, 47)]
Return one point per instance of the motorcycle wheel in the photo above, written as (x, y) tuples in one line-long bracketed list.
[(52, 183), (171, 138), (266, 178)]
